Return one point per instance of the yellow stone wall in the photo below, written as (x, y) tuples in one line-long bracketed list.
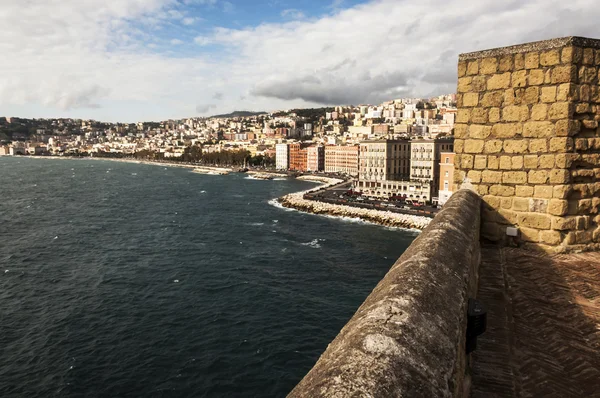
[(527, 140)]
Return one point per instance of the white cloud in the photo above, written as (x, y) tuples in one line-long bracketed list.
[(292, 13), (176, 42), (228, 7), (91, 58), (188, 21)]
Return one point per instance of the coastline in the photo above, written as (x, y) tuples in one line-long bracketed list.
[(296, 200), (384, 218)]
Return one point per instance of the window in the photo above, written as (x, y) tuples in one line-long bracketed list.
[(446, 175), (445, 185), (447, 160)]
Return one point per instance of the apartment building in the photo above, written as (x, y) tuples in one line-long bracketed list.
[(315, 158), (446, 174), (425, 159), (282, 156), (342, 159)]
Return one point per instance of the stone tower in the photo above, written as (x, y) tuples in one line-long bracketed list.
[(527, 140)]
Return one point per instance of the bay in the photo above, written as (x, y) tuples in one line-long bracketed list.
[(121, 279)]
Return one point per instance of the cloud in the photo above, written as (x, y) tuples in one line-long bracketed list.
[(92, 58), (205, 108), (218, 96), (202, 40), (292, 13), (228, 7), (188, 21)]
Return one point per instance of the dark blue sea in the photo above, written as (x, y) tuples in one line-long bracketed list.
[(130, 280)]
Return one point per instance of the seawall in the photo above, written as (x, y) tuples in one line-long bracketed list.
[(387, 218), (407, 339)]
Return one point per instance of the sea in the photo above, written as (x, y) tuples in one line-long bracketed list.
[(134, 280)]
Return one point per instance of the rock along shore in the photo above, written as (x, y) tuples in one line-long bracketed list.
[(296, 201)]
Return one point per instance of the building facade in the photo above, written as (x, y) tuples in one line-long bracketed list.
[(446, 166), (342, 159), (315, 158), (425, 159), (282, 156)]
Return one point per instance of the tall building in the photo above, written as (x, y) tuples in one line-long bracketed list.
[(446, 175), (315, 158), (298, 157), (342, 159), (282, 156), (384, 171), (425, 159)]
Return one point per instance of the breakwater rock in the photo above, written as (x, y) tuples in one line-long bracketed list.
[(387, 218)]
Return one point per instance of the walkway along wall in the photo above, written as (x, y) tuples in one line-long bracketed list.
[(527, 139), (408, 338)]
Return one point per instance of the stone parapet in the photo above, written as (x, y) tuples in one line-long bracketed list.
[(408, 338), (528, 141)]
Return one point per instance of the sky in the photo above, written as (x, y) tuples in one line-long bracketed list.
[(151, 60)]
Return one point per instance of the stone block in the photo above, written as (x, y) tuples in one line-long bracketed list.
[(493, 146), (470, 99), (538, 205), (473, 67), (492, 161), (494, 115), (548, 94), (502, 190), (474, 176), (479, 115), (479, 131), (558, 207), (466, 162), (514, 177), (463, 115), (509, 97), (515, 146), (479, 83), (585, 92), (561, 144), (584, 237), (519, 79), (560, 176), (550, 58), (539, 112), (459, 146), (531, 95), (488, 66), (588, 56), (505, 163), (462, 68), (567, 92), (538, 129), (521, 204), (536, 77), (543, 192), (517, 162), (489, 176), (534, 220), (507, 216), (551, 237), (566, 56), (506, 203), (464, 84), (460, 130), (561, 191), (588, 74), (519, 60), (532, 60), (567, 127), (530, 234), (524, 191), (499, 81), (493, 99), (546, 161), (473, 146), (480, 162), (530, 161), (515, 113), (563, 74), (538, 145), (564, 223), (505, 63), (560, 110), (538, 177), (506, 130), (491, 201)]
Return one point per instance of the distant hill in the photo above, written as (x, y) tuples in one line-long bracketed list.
[(239, 114)]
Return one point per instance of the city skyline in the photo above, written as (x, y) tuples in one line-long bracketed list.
[(170, 59)]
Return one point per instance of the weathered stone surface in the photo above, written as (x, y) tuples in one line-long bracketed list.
[(407, 338)]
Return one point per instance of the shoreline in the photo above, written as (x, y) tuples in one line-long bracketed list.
[(296, 201)]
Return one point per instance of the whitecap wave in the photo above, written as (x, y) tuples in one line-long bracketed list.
[(275, 202), (313, 243)]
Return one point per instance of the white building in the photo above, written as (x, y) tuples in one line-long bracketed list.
[(282, 156)]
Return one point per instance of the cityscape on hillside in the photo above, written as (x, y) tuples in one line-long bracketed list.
[(401, 149)]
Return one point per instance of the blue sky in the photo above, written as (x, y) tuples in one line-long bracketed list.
[(134, 60)]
